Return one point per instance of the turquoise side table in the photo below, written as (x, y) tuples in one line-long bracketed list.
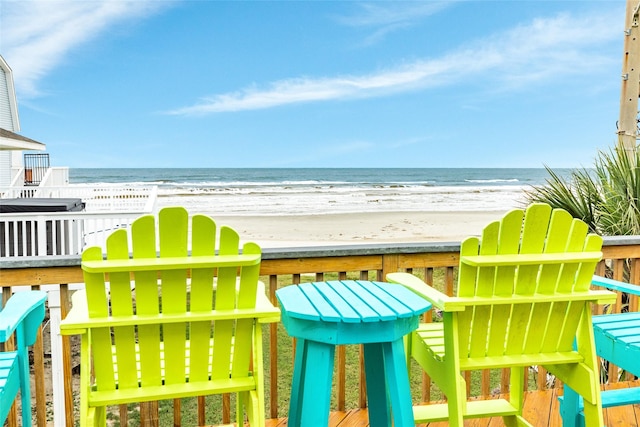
[(378, 315)]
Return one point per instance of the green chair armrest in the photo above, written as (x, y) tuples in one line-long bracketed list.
[(78, 315), (263, 304), (435, 297), (615, 285), (449, 304)]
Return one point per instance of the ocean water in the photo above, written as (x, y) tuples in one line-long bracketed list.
[(281, 191)]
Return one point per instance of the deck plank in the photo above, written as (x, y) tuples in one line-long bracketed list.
[(554, 414), (355, 418), (537, 407)]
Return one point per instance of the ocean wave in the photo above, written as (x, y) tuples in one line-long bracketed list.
[(321, 191), (490, 181), (499, 198)]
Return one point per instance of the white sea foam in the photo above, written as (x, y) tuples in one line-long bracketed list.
[(324, 200)]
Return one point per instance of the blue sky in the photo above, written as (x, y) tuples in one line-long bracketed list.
[(316, 83)]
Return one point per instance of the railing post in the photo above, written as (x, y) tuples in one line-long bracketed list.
[(41, 229), (390, 264), (57, 369)]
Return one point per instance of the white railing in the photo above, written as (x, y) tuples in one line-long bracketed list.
[(55, 176), (106, 198), (55, 234), (27, 235)]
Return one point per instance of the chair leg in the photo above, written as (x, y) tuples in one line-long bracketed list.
[(446, 375), (516, 397), (251, 403), (456, 400), (585, 342), (377, 391), (96, 417), (312, 377), (398, 384), (593, 414), (240, 408), (25, 389), (516, 387)]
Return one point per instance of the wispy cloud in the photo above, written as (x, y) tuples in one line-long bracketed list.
[(391, 13), (384, 18), (309, 90), (37, 35), (541, 50)]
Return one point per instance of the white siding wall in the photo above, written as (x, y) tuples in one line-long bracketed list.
[(6, 122), (5, 168)]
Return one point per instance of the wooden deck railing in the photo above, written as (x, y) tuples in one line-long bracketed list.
[(437, 262)]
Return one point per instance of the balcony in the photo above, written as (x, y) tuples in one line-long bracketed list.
[(60, 235), (56, 364)]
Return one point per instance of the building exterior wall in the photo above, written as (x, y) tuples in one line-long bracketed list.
[(9, 159), (6, 119), (6, 122)]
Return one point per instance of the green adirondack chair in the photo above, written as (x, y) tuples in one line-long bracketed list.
[(171, 324), (522, 299)]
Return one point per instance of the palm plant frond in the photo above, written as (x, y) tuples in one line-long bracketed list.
[(606, 197), (577, 195)]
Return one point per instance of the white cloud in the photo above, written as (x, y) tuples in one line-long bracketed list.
[(36, 35), (544, 49), (308, 90), (391, 13), (384, 18)]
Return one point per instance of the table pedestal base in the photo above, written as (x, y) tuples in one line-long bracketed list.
[(387, 384)]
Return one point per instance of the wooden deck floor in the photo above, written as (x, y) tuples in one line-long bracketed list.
[(541, 409)]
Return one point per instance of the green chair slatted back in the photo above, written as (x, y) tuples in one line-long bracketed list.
[(177, 317), (525, 328), (522, 299)]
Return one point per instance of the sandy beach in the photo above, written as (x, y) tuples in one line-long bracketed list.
[(370, 227)]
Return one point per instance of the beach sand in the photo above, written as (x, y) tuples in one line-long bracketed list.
[(369, 227)]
